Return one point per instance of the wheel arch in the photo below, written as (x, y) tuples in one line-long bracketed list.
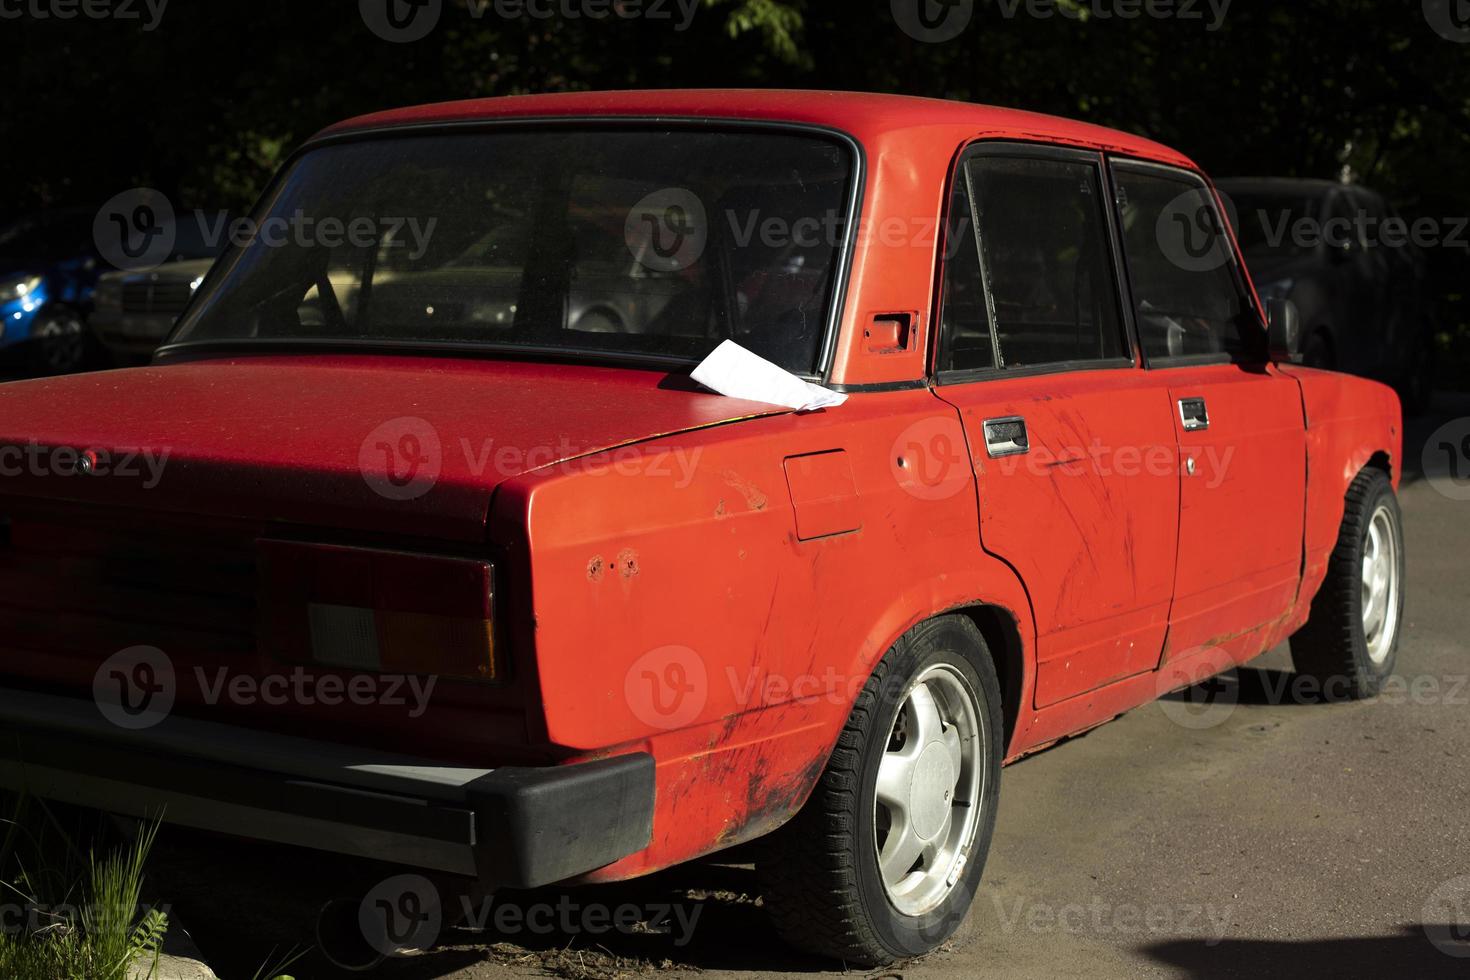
[(1001, 611), (1381, 461), (1002, 634), (1353, 425)]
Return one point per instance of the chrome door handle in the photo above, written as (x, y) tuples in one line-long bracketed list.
[(1006, 437), (1194, 414)]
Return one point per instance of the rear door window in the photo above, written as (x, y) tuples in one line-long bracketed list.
[(1030, 282)]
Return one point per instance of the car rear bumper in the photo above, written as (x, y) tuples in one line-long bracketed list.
[(511, 827)]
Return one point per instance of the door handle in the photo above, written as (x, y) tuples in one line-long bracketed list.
[(1194, 414), (1006, 437)]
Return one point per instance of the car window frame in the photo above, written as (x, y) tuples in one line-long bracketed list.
[(1258, 357), (1020, 149)]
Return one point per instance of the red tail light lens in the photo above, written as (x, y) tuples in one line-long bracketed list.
[(378, 611)]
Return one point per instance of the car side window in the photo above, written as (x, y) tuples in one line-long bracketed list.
[(1044, 268), (1187, 294)]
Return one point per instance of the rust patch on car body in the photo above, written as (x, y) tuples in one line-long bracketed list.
[(595, 569)]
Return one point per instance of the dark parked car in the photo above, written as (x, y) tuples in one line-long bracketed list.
[(136, 310), (1338, 252), (50, 274), (48, 268)]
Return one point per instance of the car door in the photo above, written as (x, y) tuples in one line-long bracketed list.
[(1239, 421), (1072, 443)]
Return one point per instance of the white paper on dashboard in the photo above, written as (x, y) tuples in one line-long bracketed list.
[(735, 372)]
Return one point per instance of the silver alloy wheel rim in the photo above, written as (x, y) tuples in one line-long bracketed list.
[(1380, 585), (930, 789), (61, 342)]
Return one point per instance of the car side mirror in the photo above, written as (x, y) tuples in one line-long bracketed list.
[(1284, 328)]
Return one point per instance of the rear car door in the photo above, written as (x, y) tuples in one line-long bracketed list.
[(1072, 443), (1239, 421)]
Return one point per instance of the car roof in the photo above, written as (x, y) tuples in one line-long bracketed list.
[(865, 116)]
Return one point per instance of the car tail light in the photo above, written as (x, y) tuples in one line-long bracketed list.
[(378, 611)]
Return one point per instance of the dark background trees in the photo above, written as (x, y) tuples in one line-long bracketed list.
[(205, 105)]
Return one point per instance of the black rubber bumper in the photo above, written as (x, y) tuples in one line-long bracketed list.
[(511, 827)]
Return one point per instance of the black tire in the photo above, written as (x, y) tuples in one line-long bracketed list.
[(1333, 647), (821, 874)]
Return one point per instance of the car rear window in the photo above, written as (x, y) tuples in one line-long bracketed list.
[(630, 242)]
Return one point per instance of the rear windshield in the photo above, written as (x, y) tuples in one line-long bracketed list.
[(636, 243)]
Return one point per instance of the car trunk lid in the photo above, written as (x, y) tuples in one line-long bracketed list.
[(411, 446)]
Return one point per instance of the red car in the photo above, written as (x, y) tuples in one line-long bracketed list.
[(463, 583)]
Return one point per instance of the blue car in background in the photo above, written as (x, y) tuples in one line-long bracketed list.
[(48, 268)]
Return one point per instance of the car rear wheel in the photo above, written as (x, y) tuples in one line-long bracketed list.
[(884, 860), (1350, 642)]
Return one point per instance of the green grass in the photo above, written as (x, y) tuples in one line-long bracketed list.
[(69, 902), (69, 916)]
